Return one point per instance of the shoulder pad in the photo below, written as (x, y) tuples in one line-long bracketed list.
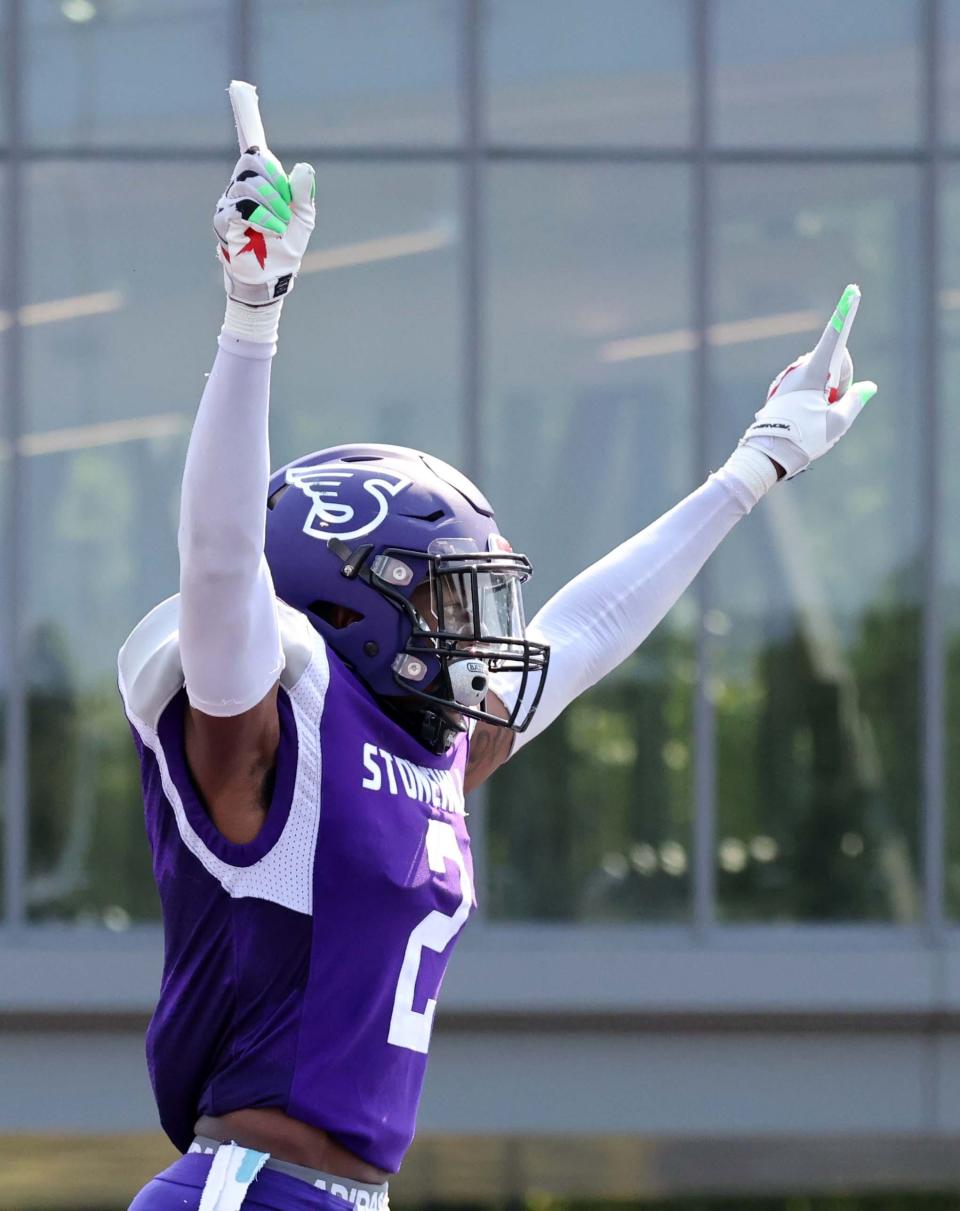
[(149, 667)]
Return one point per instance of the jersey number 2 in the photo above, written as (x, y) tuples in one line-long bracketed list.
[(408, 1027)]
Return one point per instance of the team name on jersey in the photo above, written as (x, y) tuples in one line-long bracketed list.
[(440, 788), (363, 1200)]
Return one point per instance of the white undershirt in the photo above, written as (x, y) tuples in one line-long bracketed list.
[(229, 632), (594, 623)]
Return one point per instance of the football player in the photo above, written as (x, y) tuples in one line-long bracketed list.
[(346, 658)]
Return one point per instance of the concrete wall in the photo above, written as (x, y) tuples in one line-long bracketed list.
[(607, 1062)]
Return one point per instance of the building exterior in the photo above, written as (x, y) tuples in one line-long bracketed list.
[(564, 244)]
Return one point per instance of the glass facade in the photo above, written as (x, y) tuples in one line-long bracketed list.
[(949, 369), (360, 72), (565, 245), (106, 75), (807, 74), (814, 672), (593, 819), (575, 74)]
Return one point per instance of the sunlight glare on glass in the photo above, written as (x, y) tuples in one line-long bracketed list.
[(79, 11)]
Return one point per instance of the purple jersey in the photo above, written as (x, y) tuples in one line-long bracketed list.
[(301, 970)]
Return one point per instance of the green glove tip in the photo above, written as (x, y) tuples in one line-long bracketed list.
[(866, 392), (843, 307)]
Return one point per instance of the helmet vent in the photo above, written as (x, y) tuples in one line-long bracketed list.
[(434, 516), (334, 615), (362, 458), (274, 498)]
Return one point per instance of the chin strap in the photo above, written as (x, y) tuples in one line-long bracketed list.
[(428, 725), (436, 732)]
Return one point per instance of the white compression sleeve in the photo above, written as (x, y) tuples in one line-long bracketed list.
[(229, 632), (594, 623)]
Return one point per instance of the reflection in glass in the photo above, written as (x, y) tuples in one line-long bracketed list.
[(102, 532), (121, 325), (370, 344), (613, 72), (118, 288), (586, 439), (4, 581), (817, 627), (816, 73), (359, 71), (107, 72)]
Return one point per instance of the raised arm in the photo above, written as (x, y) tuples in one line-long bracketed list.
[(597, 620), (228, 630)]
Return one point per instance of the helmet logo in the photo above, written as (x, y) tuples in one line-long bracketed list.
[(331, 515)]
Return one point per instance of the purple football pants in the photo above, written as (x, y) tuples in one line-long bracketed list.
[(179, 1189)]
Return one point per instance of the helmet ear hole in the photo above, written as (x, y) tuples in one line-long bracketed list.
[(274, 497), (334, 615)]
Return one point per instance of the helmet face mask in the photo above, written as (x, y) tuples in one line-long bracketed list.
[(407, 548), (475, 628)]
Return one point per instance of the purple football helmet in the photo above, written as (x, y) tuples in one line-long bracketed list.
[(395, 558)]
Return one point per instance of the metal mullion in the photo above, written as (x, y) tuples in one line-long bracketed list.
[(932, 687), (348, 153), (425, 152), (713, 155), (704, 826), (471, 178), (243, 66), (13, 579), (471, 345)]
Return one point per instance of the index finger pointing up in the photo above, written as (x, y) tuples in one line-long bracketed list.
[(246, 114), (827, 357)]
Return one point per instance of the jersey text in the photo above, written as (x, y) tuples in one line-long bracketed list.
[(438, 788)]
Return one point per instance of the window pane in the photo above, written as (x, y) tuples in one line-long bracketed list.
[(101, 522), (950, 71), (120, 327), (589, 71), (6, 49), (116, 286), (4, 553), (359, 71), (6, 434), (121, 323), (587, 430), (128, 72), (815, 664), (949, 438), (812, 72), (121, 330), (371, 341)]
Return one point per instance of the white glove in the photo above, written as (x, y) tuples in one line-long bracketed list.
[(812, 403), (263, 223)]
